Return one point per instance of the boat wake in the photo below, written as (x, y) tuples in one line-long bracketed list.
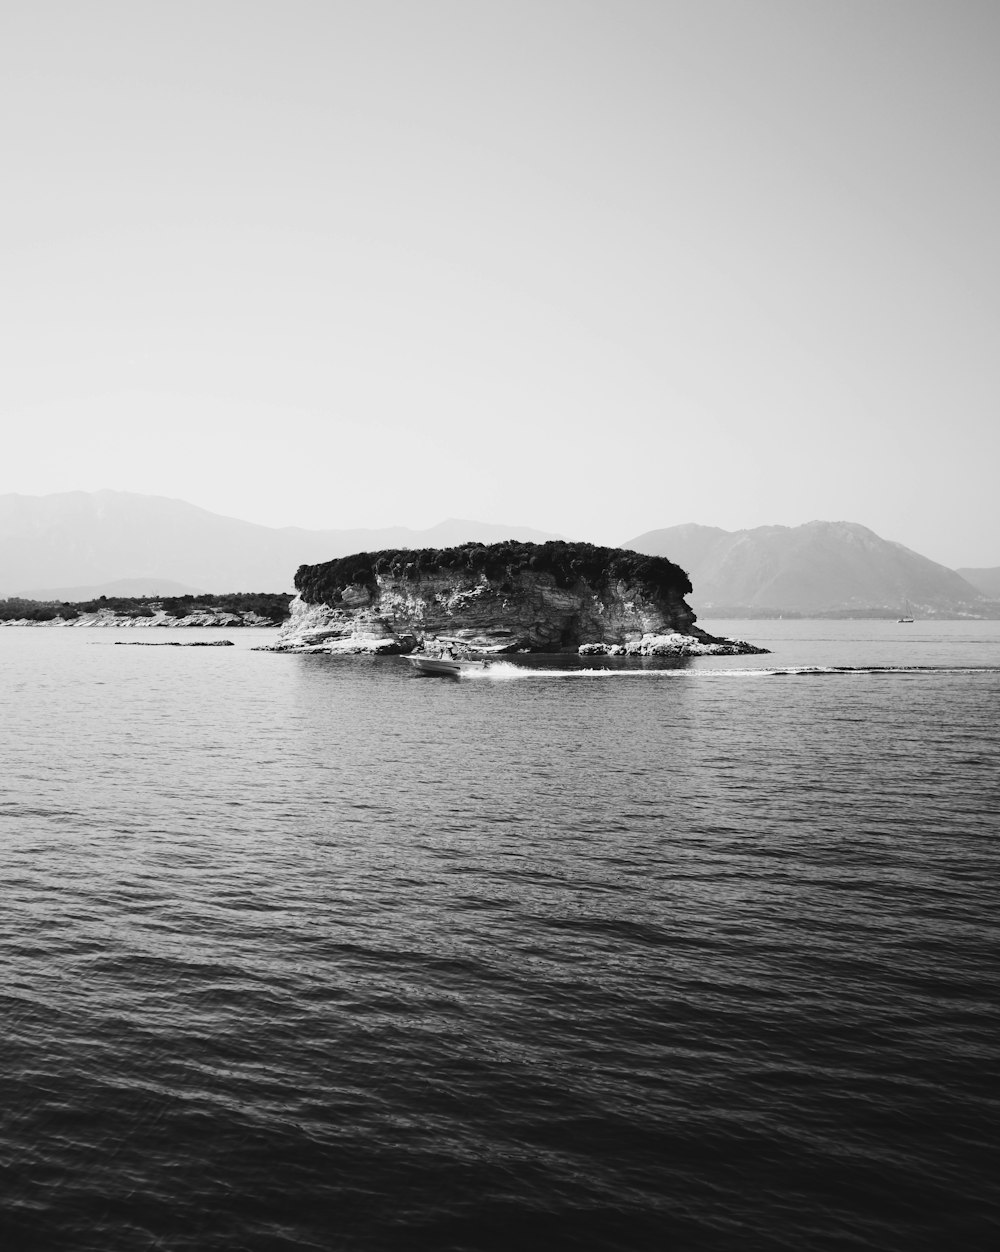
[(499, 671)]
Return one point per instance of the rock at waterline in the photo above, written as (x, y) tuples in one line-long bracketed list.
[(174, 643), (675, 644)]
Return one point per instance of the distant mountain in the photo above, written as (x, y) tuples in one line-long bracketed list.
[(987, 581), (123, 587), (83, 539), (821, 567)]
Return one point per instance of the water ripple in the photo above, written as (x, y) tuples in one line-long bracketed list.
[(310, 954)]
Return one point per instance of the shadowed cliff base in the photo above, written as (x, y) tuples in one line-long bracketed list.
[(554, 597)]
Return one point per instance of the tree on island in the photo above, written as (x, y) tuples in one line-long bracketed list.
[(567, 563)]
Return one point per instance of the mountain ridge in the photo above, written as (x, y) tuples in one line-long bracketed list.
[(63, 545), (96, 539), (986, 579), (818, 567)]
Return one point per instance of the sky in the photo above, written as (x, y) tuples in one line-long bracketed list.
[(596, 268)]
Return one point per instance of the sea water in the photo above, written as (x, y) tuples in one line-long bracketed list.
[(302, 952)]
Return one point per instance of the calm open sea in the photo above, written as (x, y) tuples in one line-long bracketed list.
[(313, 953)]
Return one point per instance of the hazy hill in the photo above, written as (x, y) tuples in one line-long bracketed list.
[(122, 588), (986, 581), (92, 539), (816, 568)]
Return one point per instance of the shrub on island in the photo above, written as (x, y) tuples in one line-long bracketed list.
[(567, 563)]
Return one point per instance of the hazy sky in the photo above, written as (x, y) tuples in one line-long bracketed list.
[(592, 267)]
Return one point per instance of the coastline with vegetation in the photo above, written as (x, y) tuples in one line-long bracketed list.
[(235, 609)]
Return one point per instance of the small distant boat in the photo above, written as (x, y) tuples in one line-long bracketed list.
[(907, 613), (904, 619)]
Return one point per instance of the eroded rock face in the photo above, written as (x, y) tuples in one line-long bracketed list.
[(528, 611)]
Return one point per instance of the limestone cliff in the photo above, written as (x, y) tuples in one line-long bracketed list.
[(506, 597)]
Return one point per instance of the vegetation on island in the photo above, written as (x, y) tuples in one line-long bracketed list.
[(270, 605), (501, 563)]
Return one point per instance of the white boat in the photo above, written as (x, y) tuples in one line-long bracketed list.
[(434, 664), (424, 663)]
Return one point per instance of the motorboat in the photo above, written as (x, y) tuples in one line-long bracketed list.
[(427, 663), (434, 664)]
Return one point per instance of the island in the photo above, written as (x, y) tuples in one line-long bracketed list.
[(491, 599)]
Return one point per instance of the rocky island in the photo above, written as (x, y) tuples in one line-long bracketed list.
[(499, 598)]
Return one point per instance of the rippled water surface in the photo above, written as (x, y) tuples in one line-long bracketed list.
[(314, 953)]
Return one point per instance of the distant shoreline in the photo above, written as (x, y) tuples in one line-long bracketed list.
[(106, 619), (236, 609)]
